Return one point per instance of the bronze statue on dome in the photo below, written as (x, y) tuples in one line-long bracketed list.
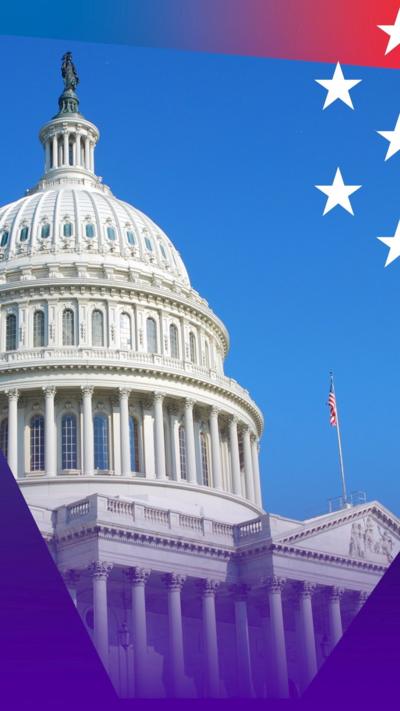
[(68, 72)]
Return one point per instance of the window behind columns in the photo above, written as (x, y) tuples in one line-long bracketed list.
[(97, 328), (182, 452), (151, 333), (207, 354), (173, 341), (68, 327), (4, 437), (38, 329), (125, 331), (11, 332), (134, 444), (204, 459), (37, 443), (192, 347), (100, 434), (69, 457)]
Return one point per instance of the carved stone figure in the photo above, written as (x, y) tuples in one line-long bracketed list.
[(68, 72)]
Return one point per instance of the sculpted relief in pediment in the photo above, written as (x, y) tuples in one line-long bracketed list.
[(370, 541)]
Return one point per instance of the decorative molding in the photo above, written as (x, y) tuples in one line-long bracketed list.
[(274, 584), (137, 575), (208, 587), (334, 593), (49, 391), (174, 581), (304, 589), (87, 390), (100, 569)]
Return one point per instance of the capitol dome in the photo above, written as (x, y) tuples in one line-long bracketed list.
[(111, 364)]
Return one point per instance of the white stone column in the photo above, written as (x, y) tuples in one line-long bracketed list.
[(208, 589), (215, 448), (190, 445), (308, 655), (138, 578), (279, 677), (248, 465), (100, 571), (159, 439), (55, 152), (256, 470), (47, 154), (12, 456), (66, 148), (334, 595), (88, 444), (78, 148), (174, 584), (244, 676), (235, 462), (360, 598), (50, 438), (71, 578), (125, 438)]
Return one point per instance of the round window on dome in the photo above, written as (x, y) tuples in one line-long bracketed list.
[(4, 238), (45, 231), (89, 230), (111, 233), (130, 237), (67, 229), (24, 234)]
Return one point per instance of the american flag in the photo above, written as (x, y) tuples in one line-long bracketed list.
[(332, 406)]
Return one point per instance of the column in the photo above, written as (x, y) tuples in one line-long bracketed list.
[(159, 440), (215, 449), (361, 597), (47, 154), (66, 148), (71, 578), (55, 151), (244, 678), (138, 578), (208, 590), (190, 446), (12, 457), (87, 164), (248, 464), (50, 439), (279, 678), (78, 148), (174, 584), (305, 591), (91, 156), (256, 470), (234, 444), (88, 448), (100, 571), (126, 469), (334, 595)]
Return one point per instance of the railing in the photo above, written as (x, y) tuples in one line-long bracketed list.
[(353, 499), (122, 512)]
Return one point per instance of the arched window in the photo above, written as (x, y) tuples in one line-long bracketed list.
[(100, 433), (125, 331), (173, 341), (4, 238), (38, 329), (68, 329), (162, 250), (97, 328), (24, 234), (192, 347), (45, 231), (69, 449), (151, 332), (182, 452), (111, 233), (134, 444), (149, 244), (89, 230), (11, 332), (130, 237), (207, 354), (67, 229), (204, 459), (37, 443), (4, 437)]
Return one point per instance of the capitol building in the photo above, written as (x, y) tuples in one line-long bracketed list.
[(139, 457)]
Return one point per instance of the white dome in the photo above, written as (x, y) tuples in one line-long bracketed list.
[(86, 220)]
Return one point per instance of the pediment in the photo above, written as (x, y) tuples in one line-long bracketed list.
[(365, 533)]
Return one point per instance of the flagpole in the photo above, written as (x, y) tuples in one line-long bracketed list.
[(344, 490)]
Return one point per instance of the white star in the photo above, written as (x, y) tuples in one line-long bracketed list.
[(394, 139), (394, 33), (338, 88), (338, 193), (394, 245)]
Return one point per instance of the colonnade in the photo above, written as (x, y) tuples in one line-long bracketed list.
[(244, 475), (270, 589), (59, 145)]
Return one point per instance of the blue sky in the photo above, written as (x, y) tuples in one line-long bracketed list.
[(223, 152)]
